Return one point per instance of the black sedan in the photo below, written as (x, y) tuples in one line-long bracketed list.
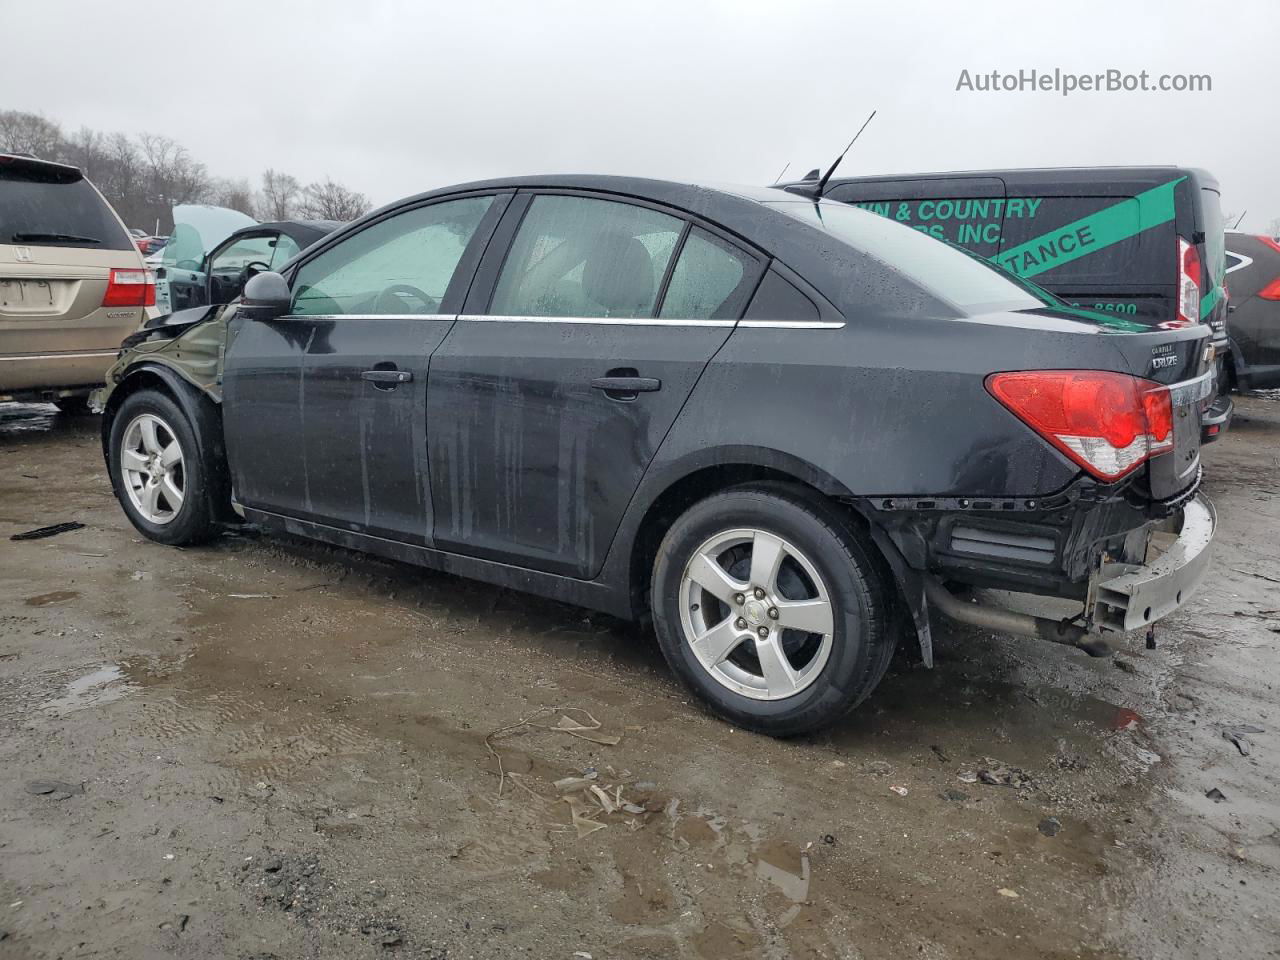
[(776, 425)]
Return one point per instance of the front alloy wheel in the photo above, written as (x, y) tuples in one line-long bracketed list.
[(153, 468), (160, 469)]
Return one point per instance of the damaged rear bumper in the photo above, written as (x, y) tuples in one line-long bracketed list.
[(1125, 596)]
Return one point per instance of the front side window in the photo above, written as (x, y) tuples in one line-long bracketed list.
[(711, 281), (401, 265), (583, 257)]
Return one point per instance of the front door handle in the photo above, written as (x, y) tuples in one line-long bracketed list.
[(618, 386), (389, 377)]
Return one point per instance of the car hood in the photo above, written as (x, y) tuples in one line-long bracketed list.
[(198, 228)]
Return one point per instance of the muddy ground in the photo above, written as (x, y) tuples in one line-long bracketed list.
[(269, 749)]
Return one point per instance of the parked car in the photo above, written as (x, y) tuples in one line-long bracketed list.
[(198, 276), (1142, 243), (72, 283), (1253, 320), (776, 426)]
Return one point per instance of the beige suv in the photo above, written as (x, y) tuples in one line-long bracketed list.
[(72, 283)]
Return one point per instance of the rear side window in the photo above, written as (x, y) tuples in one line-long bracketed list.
[(40, 208), (944, 271), (711, 280), (583, 257), (401, 265)]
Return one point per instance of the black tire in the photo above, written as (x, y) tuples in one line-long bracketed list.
[(194, 521), (73, 406), (862, 643)]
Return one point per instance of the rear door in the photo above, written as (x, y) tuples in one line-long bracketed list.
[(1100, 245), (582, 340), (326, 408), (969, 211)]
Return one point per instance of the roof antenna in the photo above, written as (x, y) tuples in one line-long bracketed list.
[(1238, 221), (816, 192), (784, 170)]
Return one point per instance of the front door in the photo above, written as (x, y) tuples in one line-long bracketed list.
[(548, 401), (368, 311)]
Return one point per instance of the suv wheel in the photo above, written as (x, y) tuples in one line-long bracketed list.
[(157, 470), (768, 605)]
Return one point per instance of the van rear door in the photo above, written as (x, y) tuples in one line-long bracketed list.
[(968, 211), (1100, 245)]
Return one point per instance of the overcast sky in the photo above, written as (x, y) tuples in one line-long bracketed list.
[(392, 98)]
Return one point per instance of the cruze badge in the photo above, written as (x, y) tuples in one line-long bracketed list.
[(22, 254)]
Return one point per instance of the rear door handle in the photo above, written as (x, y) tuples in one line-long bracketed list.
[(625, 388)]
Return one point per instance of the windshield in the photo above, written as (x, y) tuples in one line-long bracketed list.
[(954, 276), (41, 210)]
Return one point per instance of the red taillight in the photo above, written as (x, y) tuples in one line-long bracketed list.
[(1188, 283), (1271, 291), (1108, 423), (130, 288), (1272, 243)]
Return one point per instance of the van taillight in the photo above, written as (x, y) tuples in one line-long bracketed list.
[(130, 288), (1188, 283), (1108, 423)]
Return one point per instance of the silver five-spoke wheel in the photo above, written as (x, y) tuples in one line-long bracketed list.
[(756, 614), (153, 468)]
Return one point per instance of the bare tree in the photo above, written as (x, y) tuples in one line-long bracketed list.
[(30, 133), (279, 195), (235, 194), (327, 200), (87, 149)]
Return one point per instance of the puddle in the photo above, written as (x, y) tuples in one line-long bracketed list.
[(786, 869), (48, 599), (104, 685)]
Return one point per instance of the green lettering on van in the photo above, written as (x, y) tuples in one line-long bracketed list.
[(1092, 233)]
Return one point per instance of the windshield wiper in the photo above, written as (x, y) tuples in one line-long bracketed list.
[(53, 238)]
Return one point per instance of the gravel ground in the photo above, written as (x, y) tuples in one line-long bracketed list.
[(268, 749)]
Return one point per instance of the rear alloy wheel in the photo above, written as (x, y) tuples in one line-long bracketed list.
[(769, 606), (157, 471)]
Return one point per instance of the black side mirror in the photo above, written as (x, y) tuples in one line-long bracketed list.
[(266, 297)]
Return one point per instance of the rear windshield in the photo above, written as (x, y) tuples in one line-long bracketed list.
[(958, 278), (44, 210)]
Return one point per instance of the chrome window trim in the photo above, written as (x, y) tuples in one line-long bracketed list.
[(661, 322), (608, 321), (369, 316)]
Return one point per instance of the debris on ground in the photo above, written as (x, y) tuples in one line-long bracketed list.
[(967, 776), (54, 789), (1006, 892), (584, 729), (1050, 826), (1238, 734), (1000, 775), (900, 791), (252, 596), (955, 796), (1216, 795), (50, 531)]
